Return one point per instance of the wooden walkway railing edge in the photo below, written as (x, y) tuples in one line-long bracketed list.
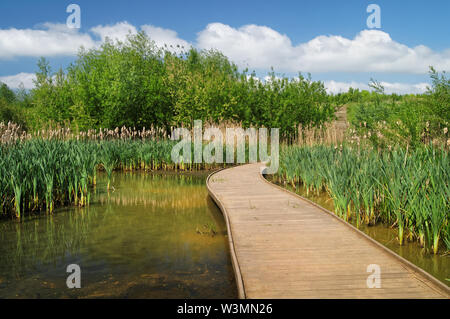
[(234, 260), (443, 287)]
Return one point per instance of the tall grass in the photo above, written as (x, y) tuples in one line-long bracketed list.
[(408, 189), (40, 174)]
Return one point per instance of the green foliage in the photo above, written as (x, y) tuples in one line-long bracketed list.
[(119, 85), (136, 84), (286, 103), (7, 94), (12, 105), (7, 112), (438, 98), (404, 120)]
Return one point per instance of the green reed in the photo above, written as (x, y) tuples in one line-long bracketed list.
[(403, 188), (41, 174)]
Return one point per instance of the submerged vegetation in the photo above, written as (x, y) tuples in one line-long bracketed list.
[(405, 188), (143, 236)]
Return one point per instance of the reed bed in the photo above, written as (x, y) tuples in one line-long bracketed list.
[(405, 189), (40, 174), (57, 166)]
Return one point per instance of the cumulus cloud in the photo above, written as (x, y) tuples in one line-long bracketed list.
[(118, 31), (389, 87), (14, 81), (405, 88), (167, 37), (49, 40), (160, 36), (341, 87), (369, 51), (253, 46)]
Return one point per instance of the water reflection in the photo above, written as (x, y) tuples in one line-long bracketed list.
[(152, 236)]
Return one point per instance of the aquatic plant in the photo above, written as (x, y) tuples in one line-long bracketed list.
[(39, 174), (408, 189)]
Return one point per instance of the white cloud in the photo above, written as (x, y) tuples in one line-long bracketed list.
[(14, 81), (160, 36), (167, 37), (405, 88), (370, 51), (50, 40), (253, 46), (118, 31), (341, 87), (389, 87)]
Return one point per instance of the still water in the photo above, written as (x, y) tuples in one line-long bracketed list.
[(151, 236), (436, 265)]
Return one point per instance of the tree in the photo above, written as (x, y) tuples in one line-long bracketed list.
[(7, 94)]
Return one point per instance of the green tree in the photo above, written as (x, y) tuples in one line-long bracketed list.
[(7, 94)]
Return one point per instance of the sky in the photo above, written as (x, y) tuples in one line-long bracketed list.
[(329, 39)]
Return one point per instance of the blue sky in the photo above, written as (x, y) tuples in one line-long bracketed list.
[(322, 37)]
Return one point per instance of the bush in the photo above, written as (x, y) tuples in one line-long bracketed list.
[(407, 120), (136, 84), (10, 108)]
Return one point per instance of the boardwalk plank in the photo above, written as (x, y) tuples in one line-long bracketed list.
[(283, 246)]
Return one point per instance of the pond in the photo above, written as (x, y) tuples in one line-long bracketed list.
[(151, 236)]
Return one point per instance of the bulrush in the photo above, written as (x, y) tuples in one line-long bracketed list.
[(404, 188), (39, 172)]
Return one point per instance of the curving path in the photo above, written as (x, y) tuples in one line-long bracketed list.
[(284, 246)]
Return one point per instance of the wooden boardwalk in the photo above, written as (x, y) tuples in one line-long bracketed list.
[(283, 246)]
